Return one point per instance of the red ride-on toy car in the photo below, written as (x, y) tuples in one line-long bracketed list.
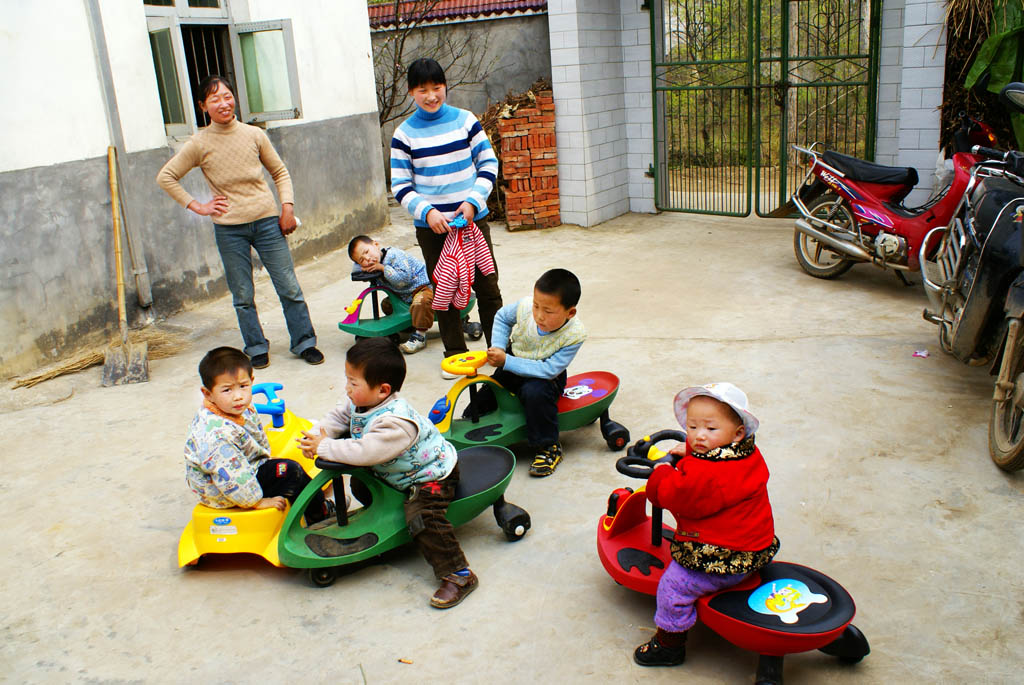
[(784, 609)]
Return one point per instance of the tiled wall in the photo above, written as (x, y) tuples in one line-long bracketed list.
[(922, 69), (596, 73)]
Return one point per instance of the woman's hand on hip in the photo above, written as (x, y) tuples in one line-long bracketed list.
[(215, 207), (287, 220)]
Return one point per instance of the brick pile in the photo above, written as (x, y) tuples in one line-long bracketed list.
[(529, 165)]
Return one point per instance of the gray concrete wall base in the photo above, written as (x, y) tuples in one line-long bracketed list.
[(57, 283)]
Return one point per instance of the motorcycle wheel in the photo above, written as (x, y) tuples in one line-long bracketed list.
[(817, 259), (1006, 427)]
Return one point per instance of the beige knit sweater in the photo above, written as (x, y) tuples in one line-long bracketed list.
[(232, 157)]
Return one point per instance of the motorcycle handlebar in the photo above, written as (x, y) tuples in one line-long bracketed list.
[(989, 152)]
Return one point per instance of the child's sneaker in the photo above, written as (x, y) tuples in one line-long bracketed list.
[(473, 330), (546, 461), (416, 342)]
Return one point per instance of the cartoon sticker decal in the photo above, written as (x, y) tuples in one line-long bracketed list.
[(577, 391), (584, 388), (784, 598)]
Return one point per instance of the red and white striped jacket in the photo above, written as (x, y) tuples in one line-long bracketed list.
[(464, 251)]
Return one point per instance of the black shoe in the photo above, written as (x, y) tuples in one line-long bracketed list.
[(546, 461), (473, 330), (654, 653), (260, 361), (312, 356)]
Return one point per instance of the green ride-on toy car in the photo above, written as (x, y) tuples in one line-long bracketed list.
[(391, 316), (586, 399), (379, 526)]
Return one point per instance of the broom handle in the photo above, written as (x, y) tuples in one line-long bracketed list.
[(115, 210)]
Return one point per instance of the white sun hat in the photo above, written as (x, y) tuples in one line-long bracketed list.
[(723, 392)]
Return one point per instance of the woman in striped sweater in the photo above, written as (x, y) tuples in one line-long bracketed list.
[(443, 166)]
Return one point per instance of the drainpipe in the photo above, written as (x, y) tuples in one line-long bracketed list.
[(139, 269)]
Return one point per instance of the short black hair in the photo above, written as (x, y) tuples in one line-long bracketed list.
[(425, 70), (561, 282), (209, 84), (358, 240), (380, 361), (222, 360)]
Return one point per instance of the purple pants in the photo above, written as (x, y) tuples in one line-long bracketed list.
[(678, 592)]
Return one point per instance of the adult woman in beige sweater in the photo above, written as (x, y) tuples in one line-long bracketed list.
[(232, 156)]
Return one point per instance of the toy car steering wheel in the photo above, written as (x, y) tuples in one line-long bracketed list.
[(637, 462), (466, 363)]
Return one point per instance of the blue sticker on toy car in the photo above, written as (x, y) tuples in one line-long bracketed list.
[(222, 520), (784, 598)]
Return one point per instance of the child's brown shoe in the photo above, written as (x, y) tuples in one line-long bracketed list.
[(453, 590)]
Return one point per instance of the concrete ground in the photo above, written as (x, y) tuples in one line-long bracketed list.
[(880, 478)]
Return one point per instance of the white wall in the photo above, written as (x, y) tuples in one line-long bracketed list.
[(53, 107), (636, 74), (332, 49), (890, 77), (923, 63), (54, 110), (131, 66), (590, 111)]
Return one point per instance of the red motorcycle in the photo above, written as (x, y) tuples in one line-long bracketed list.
[(852, 210)]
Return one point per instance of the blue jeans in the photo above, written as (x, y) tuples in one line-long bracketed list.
[(235, 245)]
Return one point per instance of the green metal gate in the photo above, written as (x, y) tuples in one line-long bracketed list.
[(737, 82)]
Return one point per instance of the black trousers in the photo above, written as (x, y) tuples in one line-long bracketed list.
[(286, 478), (539, 397), (488, 295)]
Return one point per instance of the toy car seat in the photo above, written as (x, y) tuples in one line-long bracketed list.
[(787, 608), (229, 531)]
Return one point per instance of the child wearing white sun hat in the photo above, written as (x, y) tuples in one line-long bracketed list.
[(717, 492)]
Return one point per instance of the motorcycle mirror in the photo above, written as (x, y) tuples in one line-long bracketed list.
[(1013, 95)]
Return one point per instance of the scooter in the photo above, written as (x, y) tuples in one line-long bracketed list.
[(852, 210), (379, 525), (389, 317), (974, 281), (251, 531), (785, 608), (586, 399)]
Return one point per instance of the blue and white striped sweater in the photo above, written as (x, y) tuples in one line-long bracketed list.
[(441, 160)]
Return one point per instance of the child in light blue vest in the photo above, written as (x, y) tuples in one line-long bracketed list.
[(532, 343), (375, 428)]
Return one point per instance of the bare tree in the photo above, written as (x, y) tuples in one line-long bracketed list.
[(462, 55)]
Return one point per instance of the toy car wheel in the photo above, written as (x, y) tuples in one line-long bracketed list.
[(323, 577), (514, 521), (617, 439), (517, 527)]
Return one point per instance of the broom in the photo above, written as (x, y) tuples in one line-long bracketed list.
[(125, 362)]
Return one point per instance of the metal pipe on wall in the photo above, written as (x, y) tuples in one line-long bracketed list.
[(139, 268)]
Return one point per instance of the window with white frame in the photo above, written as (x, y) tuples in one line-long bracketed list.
[(191, 39)]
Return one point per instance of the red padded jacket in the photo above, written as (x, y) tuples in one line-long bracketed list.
[(721, 502)]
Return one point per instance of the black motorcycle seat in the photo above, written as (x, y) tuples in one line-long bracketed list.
[(869, 172)]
